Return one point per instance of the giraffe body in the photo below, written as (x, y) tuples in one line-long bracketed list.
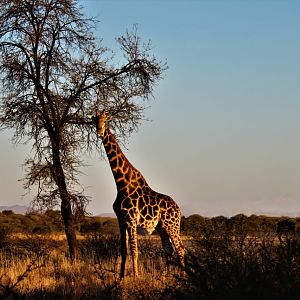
[(137, 205)]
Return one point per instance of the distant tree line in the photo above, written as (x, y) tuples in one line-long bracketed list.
[(252, 225), (51, 221)]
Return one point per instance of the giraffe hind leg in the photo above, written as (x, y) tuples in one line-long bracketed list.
[(173, 231), (179, 247), (166, 244)]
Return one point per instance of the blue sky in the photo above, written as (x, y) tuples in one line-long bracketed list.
[(225, 131)]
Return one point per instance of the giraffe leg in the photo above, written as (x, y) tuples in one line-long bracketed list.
[(178, 245), (173, 230), (123, 250), (166, 244), (133, 247)]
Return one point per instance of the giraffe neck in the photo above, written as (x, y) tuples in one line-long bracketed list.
[(126, 176)]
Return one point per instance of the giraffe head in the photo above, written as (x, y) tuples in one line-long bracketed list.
[(102, 120)]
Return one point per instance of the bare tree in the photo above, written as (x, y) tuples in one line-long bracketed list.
[(54, 72)]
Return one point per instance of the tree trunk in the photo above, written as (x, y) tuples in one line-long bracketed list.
[(66, 209), (67, 216)]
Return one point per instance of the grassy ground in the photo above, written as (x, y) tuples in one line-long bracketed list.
[(38, 268), (221, 264)]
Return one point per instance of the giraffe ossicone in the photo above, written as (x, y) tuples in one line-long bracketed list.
[(137, 205)]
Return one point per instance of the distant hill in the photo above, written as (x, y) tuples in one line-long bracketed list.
[(17, 209)]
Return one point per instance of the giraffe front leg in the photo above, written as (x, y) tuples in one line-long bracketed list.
[(123, 250), (133, 247)]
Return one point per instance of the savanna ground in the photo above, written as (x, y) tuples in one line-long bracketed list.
[(225, 260)]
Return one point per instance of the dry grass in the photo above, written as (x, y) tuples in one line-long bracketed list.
[(220, 264), (37, 268)]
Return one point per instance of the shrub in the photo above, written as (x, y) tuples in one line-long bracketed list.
[(231, 264)]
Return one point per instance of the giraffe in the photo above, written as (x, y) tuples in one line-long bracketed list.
[(137, 205)]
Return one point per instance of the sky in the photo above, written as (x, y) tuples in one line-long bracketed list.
[(224, 135)]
